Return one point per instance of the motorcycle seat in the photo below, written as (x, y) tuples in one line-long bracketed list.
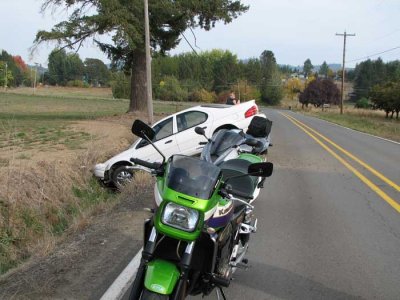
[(242, 187), (260, 148)]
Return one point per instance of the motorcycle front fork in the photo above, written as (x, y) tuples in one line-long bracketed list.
[(147, 256)]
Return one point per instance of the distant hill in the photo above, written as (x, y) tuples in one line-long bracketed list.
[(334, 66)]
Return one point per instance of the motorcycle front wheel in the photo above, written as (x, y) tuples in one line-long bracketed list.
[(148, 295)]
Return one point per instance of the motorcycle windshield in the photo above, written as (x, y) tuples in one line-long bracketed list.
[(192, 177), (223, 140)]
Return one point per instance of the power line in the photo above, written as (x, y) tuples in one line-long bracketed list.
[(189, 44), (375, 54), (195, 39)]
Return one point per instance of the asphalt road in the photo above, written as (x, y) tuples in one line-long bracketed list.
[(327, 227)]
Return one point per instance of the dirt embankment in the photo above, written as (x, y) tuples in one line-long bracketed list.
[(81, 264)]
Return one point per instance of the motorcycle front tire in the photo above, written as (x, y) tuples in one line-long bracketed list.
[(148, 295)]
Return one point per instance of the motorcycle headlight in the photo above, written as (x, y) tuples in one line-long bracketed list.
[(180, 217)]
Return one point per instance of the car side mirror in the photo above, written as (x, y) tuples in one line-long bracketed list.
[(263, 169), (143, 130), (199, 131)]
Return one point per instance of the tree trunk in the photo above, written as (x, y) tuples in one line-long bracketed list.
[(392, 114), (138, 101)]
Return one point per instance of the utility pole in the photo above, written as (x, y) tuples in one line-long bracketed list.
[(148, 63), (345, 35), (238, 89), (34, 82), (6, 79)]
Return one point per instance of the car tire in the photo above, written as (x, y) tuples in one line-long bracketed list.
[(121, 176)]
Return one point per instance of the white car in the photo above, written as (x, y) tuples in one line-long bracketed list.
[(175, 134)]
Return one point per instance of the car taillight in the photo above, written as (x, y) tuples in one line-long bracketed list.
[(251, 111)]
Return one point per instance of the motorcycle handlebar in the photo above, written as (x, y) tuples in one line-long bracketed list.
[(146, 164), (230, 192)]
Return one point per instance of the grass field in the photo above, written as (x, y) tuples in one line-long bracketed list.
[(40, 120), (364, 120), (367, 121), (65, 92), (46, 185)]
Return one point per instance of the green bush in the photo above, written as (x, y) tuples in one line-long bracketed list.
[(170, 89), (363, 103), (120, 85), (203, 95)]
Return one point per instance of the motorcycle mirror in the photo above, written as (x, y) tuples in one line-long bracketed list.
[(263, 169), (143, 130), (199, 131)]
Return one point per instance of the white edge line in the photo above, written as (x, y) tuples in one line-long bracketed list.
[(375, 136), (123, 282)]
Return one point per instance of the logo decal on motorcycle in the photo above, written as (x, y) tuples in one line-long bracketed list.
[(223, 211), (157, 288)]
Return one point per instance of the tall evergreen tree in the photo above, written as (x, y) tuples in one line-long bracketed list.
[(307, 67), (271, 85), (324, 69), (124, 19)]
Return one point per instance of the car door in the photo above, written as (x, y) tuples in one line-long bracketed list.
[(187, 139), (164, 140)]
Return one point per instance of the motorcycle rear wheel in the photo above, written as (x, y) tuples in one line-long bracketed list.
[(148, 295)]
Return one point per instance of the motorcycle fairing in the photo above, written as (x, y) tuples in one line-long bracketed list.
[(222, 214)]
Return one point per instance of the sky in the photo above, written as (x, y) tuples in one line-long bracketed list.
[(293, 29)]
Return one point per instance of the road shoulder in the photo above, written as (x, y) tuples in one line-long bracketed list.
[(85, 264)]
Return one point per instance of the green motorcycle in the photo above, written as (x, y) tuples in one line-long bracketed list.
[(199, 233)]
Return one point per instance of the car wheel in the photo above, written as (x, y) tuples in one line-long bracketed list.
[(121, 176)]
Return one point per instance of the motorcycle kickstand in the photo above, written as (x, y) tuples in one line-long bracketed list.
[(222, 293)]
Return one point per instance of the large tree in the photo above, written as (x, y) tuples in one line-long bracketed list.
[(64, 67), (271, 84), (387, 98), (319, 92), (96, 72), (307, 67), (124, 20), (324, 69)]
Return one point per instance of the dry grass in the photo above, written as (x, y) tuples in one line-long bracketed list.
[(134, 191), (364, 120), (40, 202), (46, 187), (36, 202), (87, 93)]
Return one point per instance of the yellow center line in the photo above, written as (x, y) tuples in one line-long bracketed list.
[(365, 165), (364, 179)]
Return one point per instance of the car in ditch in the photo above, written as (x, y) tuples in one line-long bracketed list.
[(175, 135)]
